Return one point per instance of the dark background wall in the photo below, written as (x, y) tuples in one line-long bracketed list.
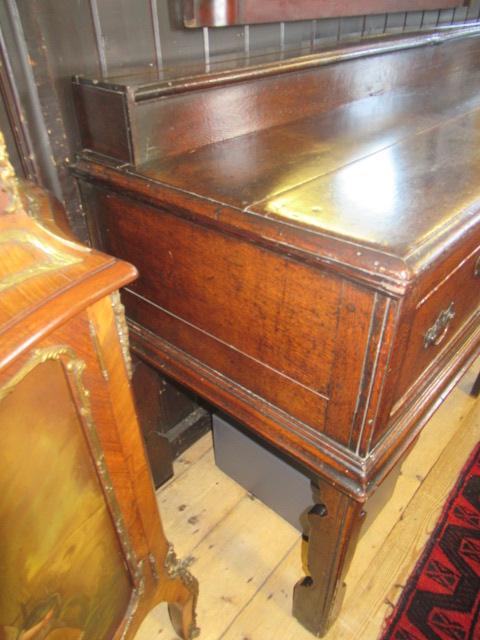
[(44, 42)]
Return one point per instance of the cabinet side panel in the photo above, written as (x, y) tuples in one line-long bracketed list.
[(261, 319)]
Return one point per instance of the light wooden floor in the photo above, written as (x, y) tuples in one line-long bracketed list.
[(247, 559)]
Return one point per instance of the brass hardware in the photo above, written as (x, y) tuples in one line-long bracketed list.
[(8, 180), (153, 567), (179, 569), (122, 330), (39, 357), (437, 332), (476, 269), (137, 593)]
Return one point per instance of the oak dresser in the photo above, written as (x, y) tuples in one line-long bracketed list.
[(307, 233)]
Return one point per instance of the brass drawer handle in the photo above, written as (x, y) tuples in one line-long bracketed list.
[(437, 332), (476, 270)]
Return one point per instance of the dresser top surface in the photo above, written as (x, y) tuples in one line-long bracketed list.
[(394, 172), (341, 154)]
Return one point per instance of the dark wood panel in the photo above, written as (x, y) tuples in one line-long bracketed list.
[(391, 221), (127, 33), (350, 27), (236, 337), (395, 22), (297, 34), (177, 43), (255, 379), (246, 277), (289, 240), (356, 328), (303, 313), (60, 42), (423, 260), (326, 30), (265, 36), (210, 105), (230, 40)]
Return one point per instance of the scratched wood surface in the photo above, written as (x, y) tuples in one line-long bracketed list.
[(247, 558)]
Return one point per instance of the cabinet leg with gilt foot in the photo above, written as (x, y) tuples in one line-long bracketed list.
[(182, 604), (334, 525)]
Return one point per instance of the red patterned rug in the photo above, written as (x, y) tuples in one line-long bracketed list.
[(441, 600)]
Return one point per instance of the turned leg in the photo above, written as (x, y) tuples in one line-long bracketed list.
[(334, 525), (475, 392)]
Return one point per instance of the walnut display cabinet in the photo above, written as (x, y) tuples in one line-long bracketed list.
[(83, 553)]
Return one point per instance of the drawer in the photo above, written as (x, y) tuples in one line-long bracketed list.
[(438, 317)]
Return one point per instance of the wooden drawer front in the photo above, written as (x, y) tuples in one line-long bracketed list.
[(262, 320), (438, 317)]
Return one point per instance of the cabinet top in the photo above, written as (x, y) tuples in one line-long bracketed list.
[(45, 278), (397, 174), (369, 161)]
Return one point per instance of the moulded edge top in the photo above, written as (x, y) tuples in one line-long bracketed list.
[(227, 69)]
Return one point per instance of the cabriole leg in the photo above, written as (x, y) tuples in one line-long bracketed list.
[(183, 618), (181, 595), (334, 526)]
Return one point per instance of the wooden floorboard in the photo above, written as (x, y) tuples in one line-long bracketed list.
[(247, 558)]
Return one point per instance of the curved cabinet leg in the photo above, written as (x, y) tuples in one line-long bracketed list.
[(182, 596), (334, 521), (164, 578), (182, 618)]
